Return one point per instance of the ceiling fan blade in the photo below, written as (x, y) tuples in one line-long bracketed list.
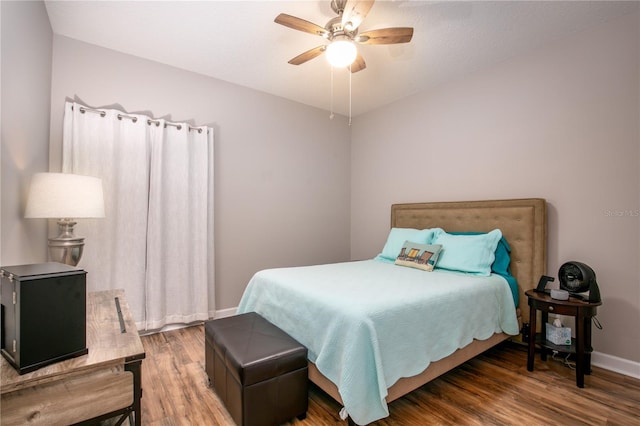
[(358, 64), (354, 13), (386, 36), (308, 55), (300, 24)]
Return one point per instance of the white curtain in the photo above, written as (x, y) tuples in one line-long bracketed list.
[(156, 240)]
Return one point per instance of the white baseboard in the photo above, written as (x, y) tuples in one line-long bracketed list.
[(615, 364), (222, 313)]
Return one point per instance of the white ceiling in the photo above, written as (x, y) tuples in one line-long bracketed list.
[(237, 41)]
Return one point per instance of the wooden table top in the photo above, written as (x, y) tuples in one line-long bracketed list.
[(571, 302), (107, 345)]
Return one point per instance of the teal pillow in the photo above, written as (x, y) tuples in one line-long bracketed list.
[(503, 258), (397, 238), (472, 254)]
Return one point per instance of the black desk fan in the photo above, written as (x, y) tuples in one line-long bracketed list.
[(576, 278)]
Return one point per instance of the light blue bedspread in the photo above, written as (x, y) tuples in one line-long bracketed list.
[(368, 323)]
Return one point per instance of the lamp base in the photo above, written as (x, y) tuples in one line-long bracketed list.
[(66, 248)]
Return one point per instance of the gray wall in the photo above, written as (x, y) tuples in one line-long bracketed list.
[(26, 90), (559, 123), (281, 168)]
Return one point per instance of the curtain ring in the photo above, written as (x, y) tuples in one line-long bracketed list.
[(83, 110), (133, 119)]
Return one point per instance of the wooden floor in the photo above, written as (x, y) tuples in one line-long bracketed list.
[(495, 388)]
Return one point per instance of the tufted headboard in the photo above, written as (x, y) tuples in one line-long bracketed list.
[(523, 223)]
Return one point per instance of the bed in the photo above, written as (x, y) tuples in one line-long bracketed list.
[(371, 339)]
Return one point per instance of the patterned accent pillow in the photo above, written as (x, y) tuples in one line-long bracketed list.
[(420, 256), (397, 237)]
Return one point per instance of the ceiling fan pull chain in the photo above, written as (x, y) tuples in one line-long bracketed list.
[(350, 74), (331, 112)]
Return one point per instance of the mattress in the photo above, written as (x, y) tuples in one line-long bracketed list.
[(367, 324)]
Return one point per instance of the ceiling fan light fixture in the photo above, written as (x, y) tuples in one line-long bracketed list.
[(341, 53)]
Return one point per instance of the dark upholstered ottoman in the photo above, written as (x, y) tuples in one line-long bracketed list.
[(258, 371)]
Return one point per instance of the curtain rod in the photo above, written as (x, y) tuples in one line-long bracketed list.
[(135, 119)]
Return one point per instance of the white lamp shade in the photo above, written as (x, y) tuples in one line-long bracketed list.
[(64, 195), (341, 53)]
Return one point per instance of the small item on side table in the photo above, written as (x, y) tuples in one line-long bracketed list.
[(557, 334), (559, 294), (542, 284)]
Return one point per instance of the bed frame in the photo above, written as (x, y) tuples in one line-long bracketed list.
[(524, 224)]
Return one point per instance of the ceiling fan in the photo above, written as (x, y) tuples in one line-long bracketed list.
[(342, 33)]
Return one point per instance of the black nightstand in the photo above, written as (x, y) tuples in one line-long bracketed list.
[(582, 310)]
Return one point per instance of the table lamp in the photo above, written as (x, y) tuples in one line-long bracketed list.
[(66, 197)]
